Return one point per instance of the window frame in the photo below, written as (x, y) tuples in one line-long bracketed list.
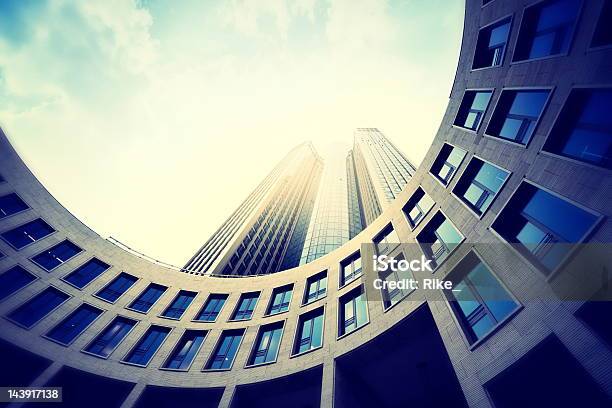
[(484, 112), (140, 338), (167, 359), (341, 311), (201, 309), (110, 282), (143, 291), (384, 233), (255, 344), (346, 261), (450, 180), (29, 243), (89, 343), (20, 211), (218, 344), (425, 213), (592, 48), (63, 278), (323, 308), (7, 314), (5, 270), (46, 334), (237, 306), (63, 262), (450, 253), (305, 300), (169, 306), (382, 290), (506, 51), (271, 300)]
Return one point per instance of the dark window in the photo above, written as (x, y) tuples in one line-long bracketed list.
[(27, 233), (353, 312), (316, 287), (392, 296), (11, 204), (86, 273), (281, 297), (246, 306), (536, 220), (267, 344), (212, 308), (418, 206), (472, 109), (185, 350), (148, 297), (479, 185), (225, 351), (438, 239), (351, 269), (546, 29), (485, 2), (446, 164), (516, 115), (57, 255), (583, 130), (386, 241), (148, 345), (14, 279), (478, 299), (598, 316), (106, 342), (73, 325), (32, 311), (603, 32), (117, 287), (179, 304), (491, 45), (309, 334)]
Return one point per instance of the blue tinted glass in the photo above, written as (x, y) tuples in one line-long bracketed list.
[(482, 326), (38, 307), (481, 100), (227, 347), (560, 12), (246, 306), (147, 298), (186, 349), (266, 346), (596, 110), (448, 233), (75, 324), (57, 255), (280, 300), (11, 204), (491, 176), (317, 332), (591, 146), (27, 233), (87, 272), (529, 103), (117, 287), (180, 304), (148, 345), (456, 156), (13, 280), (212, 308), (499, 35), (497, 299), (109, 339)]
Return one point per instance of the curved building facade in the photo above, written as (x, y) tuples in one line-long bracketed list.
[(519, 166)]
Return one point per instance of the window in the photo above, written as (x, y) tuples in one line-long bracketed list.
[(316, 287), (246, 306), (438, 239), (583, 130), (536, 220), (546, 29), (75, 324), (225, 351), (147, 346), (212, 308), (84, 274), (11, 204), (603, 32), (491, 44), (185, 350), (107, 341), (479, 185), (516, 115), (309, 335), (392, 296), (418, 206), (179, 304), (281, 298), (266, 344), (147, 299), (27, 233), (117, 287), (56, 255), (478, 299), (351, 269), (485, 2), (353, 312), (35, 309), (13, 280), (446, 164), (386, 241), (472, 109)]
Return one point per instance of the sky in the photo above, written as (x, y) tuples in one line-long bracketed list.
[(152, 120)]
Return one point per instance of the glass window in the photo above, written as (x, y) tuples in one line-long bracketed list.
[(35, 309), (27, 233), (536, 220), (75, 324), (478, 299), (351, 269), (57, 255), (418, 206), (309, 334), (280, 300), (106, 342), (185, 350), (148, 297), (147, 346), (117, 287), (84, 274), (491, 44), (212, 308), (316, 287), (603, 32), (225, 351), (516, 114), (267, 344), (546, 29), (479, 184), (438, 239), (446, 164), (392, 296), (11, 204), (472, 109), (246, 306), (386, 241), (179, 304), (13, 280), (353, 312), (583, 130)]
